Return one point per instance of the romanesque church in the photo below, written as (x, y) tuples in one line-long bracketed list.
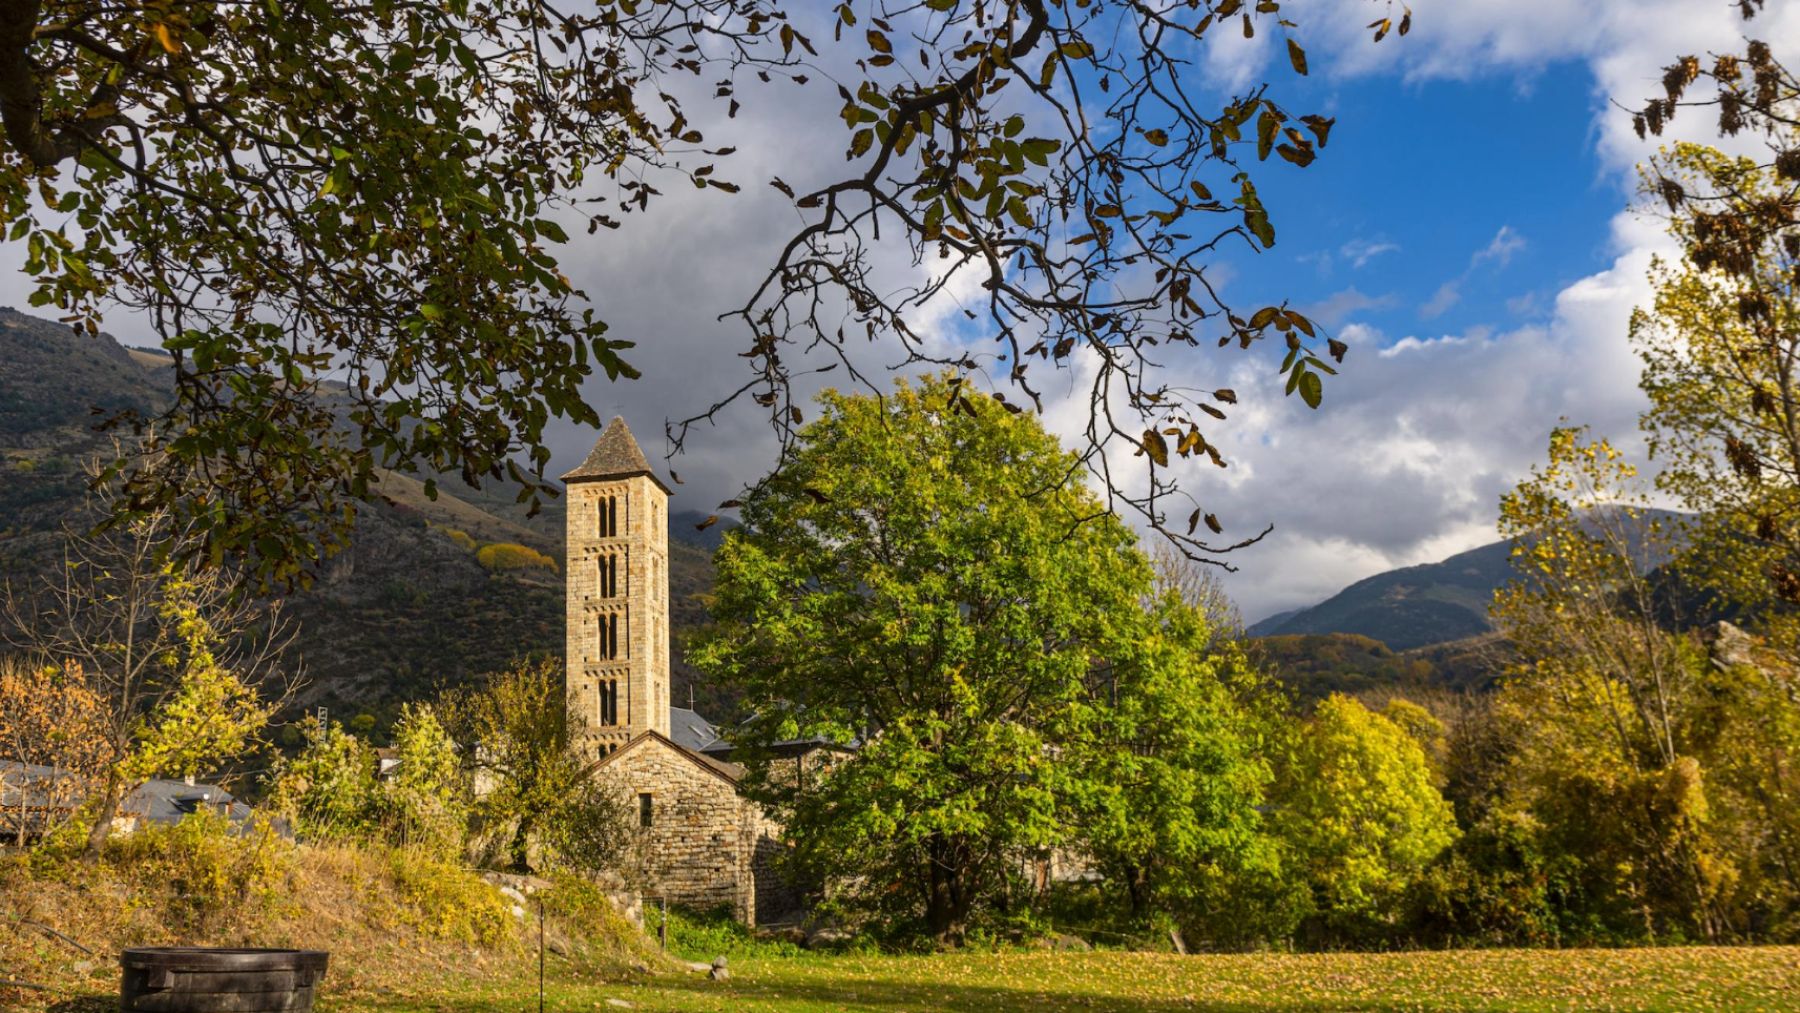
[(707, 846)]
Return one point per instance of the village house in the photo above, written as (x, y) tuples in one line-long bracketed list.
[(705, 845), (35, 798)]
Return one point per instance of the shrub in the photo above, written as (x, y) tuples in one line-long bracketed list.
[(425, 802), (696, 935), (328, 790), (501, 557), (460, 538), (446, 901), (216, 872)]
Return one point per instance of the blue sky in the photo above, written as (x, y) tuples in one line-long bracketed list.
[(1490, 186)]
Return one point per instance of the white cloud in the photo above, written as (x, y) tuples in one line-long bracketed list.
[(1446, 296), (1417, 438), (1339, 306), (1500, 249), (1360, 251), (1406, 460)]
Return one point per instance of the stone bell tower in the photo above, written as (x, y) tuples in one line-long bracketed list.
[(616, 586)]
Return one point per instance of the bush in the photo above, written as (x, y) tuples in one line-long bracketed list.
[(601, 935), (328, 790), (217, 872), (703, 935), (501, 557), (424, 803), (446, 901), (460, 538)]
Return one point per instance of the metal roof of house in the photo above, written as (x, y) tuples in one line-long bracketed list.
[(30, 785)]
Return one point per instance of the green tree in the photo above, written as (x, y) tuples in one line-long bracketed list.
[(1720, 345), (188, 668), (538, 803), (1357, 811), (1177, 769), (1644, 765), (923, 578), (306, 191), (327, 790), (425, 801)]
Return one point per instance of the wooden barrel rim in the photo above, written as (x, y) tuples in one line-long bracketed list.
[(192, 958)]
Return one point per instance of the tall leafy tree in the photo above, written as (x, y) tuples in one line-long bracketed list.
[(923, 579), (1719, 342), (538, 804), (1359, 815), (1178, 771), (1654, 777), (302, 191)]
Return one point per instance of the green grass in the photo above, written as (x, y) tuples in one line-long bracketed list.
[(1039, 982)]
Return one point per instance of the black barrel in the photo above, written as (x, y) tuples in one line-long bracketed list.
[(180, 979)]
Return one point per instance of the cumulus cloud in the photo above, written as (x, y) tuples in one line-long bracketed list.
[(1416, 440), (1406, 460)]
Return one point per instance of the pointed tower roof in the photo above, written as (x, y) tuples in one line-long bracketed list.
[(615, 455)]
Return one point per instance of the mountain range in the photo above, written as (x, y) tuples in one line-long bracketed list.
[(1416, 606)]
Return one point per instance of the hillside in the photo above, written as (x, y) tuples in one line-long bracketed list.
[(1409, 607), (1414, 606), (1316, 665), (406, 611)]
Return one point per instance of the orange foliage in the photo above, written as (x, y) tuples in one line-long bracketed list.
[(49, 717)]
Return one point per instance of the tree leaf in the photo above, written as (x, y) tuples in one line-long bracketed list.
[(1311, 389), (1297, 57)]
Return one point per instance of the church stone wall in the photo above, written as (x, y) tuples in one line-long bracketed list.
[(699, 849)]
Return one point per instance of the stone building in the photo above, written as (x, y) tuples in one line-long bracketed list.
[(705, 845)]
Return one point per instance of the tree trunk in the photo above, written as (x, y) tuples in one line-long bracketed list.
[(109, 807), (947, 904), (1136, 887), (521, 848)]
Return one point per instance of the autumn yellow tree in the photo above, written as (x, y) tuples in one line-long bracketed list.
[(1637, 759), (51, 718), (187, 669), (1720, 345)]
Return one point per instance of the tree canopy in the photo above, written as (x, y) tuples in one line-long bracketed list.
[(924, 581), (344, 220)]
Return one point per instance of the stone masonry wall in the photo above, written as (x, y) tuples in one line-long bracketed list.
[(700, 844)]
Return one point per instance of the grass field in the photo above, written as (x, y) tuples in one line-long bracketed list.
[(1695, 979)]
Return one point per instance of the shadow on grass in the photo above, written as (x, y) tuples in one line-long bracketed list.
[(870, 994), (899, 994)]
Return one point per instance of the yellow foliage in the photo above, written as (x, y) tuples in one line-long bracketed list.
[(500, 557)]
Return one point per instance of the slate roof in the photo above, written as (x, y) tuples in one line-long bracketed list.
[(730, 772), (691, 731), (616, 454), (27, 786)]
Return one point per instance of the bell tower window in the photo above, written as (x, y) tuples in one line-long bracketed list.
[(609, 702), (609, 636), (609, 575), (606, 517)]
